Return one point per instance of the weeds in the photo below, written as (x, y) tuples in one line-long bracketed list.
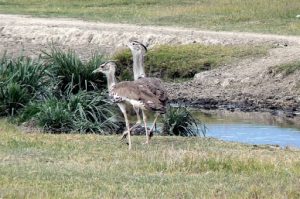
[(71, 74), (180, 122), (21, 80)]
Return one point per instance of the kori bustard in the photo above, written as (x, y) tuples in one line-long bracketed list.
[(130, 92), (155, 85)]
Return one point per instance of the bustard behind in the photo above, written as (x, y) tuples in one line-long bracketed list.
[(154, 85), (130, 92)]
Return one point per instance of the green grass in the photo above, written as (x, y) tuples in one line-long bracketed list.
[(288, 68), (184, 61), (91, 166), (270, 16)]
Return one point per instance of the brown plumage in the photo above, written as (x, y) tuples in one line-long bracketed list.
[(138, 94), (155, 86)]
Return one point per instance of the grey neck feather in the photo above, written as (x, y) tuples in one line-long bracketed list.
[(111, 80), (138, 65)]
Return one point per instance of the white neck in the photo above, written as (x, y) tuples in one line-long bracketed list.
[(138, 65), (111, 80)]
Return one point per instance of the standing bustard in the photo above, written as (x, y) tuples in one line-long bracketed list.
[(129, 92), (155, 85)]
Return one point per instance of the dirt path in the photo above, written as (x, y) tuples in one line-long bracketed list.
[(249, 85)]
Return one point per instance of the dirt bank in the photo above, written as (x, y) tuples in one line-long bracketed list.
[(247, 85)]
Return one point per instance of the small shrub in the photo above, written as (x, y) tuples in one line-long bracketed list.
[(12, 97), (60, 94), (85, 112), (180, 122), (71, 73), (124, 63), (21, 80), (92, 113), (54, 116)]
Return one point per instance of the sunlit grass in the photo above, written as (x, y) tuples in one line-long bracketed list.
[(251, 15), (91, 166)]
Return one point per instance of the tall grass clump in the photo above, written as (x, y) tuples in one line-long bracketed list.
[(92, 112), (71, 73), (75, 101), (54, 116), (178, 121), (21, 81), (84, 112)]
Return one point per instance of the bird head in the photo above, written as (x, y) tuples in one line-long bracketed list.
[(136, 46), (106, 68)]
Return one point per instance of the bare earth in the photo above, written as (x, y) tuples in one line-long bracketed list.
[(249, 85)]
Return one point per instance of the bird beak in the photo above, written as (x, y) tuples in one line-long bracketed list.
[(98, 70)]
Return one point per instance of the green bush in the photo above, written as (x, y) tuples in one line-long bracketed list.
[(21, 80), (58, 91), (92, 113), (184, 61), (179, 121), (85, 112), (72, 74), (54, 116)]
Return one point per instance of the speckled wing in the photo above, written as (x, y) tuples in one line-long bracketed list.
[(155, 86), (137, 95)]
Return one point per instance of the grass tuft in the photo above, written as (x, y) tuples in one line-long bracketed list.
[(288, 68), (179, 121), (71, 73), (21, 80)]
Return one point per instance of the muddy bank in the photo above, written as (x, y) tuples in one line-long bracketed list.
[(248, 85), (246, 105)]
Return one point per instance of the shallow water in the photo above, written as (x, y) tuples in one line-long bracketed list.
[(251, 128)]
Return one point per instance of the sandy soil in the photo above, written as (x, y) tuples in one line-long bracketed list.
[(248, 85)]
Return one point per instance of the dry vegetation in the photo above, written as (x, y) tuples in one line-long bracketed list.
[(252, 15)]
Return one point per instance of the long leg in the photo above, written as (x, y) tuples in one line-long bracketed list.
[(154, 124), (123, 109), (146, 130), (138, 122), (137, 112)]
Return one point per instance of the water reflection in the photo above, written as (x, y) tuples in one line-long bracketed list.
[(252, 128)]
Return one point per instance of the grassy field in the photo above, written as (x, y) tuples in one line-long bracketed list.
[(270, 16), (35, 165)]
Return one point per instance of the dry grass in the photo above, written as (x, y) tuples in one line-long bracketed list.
[(270, 16), (288, 68), (91, 166)]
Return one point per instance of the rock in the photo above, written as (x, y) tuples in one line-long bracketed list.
[(227, 82)]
